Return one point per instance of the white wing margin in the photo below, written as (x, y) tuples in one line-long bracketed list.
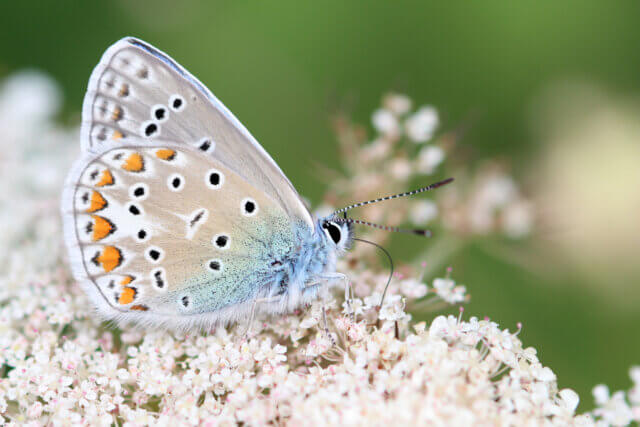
[(137, 91)]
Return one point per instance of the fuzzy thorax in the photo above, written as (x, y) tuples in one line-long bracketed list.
[(309, 272)]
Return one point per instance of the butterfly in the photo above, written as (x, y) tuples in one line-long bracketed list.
[(174, 215)]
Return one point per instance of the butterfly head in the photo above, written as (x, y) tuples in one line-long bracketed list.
[(337, 233)]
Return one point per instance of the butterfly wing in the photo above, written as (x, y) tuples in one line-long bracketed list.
[(160, 234), (138, 93)]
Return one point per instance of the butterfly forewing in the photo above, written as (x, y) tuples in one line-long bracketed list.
[(137, 93), (162, 230)]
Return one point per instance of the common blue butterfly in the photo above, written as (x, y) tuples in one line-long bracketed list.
[(175, 216)]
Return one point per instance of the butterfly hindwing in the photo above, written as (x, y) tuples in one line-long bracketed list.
[(137, 93), (161, 233)]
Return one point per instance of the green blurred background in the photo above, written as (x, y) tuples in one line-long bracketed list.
[(510, 69)]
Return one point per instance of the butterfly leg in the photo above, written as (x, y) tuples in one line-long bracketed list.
[(309, 293), (348, 288), (326, 327), (253, 311)]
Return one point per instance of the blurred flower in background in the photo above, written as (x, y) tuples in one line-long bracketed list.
[(588, 188), (35, 155), (407, 148)]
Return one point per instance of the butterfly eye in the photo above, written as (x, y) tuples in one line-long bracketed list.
[(175, 182), (139, 191), (214, 179), (332, 230), (176, 102), (221, 241), (249, 207)]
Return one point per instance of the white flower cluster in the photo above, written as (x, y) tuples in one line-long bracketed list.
[(395, 120), (363, 365), (408, 145), (620, 408), (493, 203)]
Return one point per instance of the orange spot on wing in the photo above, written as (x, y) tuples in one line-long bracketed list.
[(139, 307), (127, 296), (117, 135), (110, 258), (166, 154), (117, 114), (127, 280), (97, 202), (105, 179), (134, 163), (124, 90), (102, 227)]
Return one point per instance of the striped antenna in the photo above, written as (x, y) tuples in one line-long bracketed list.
[(420, 232), (395, 196)]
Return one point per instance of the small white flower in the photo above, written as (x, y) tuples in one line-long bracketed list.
[(319, 345), (413, 288), (386, 123), (378, 150), (543, 374), (634, 393), (634, 373), (313, 317), (397, 103), (423, 211), (372, 300), (448, 291), (422, 124), (570, 399), (393, 308), (353, 306), (29, 95), (440, 326), (400, 169), (601, 394), (497, 191), (357, 331), (613, 410), (429, 158), (517, 219), (35, 410)]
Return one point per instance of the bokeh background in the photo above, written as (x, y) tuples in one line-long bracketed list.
[(552, 89)]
